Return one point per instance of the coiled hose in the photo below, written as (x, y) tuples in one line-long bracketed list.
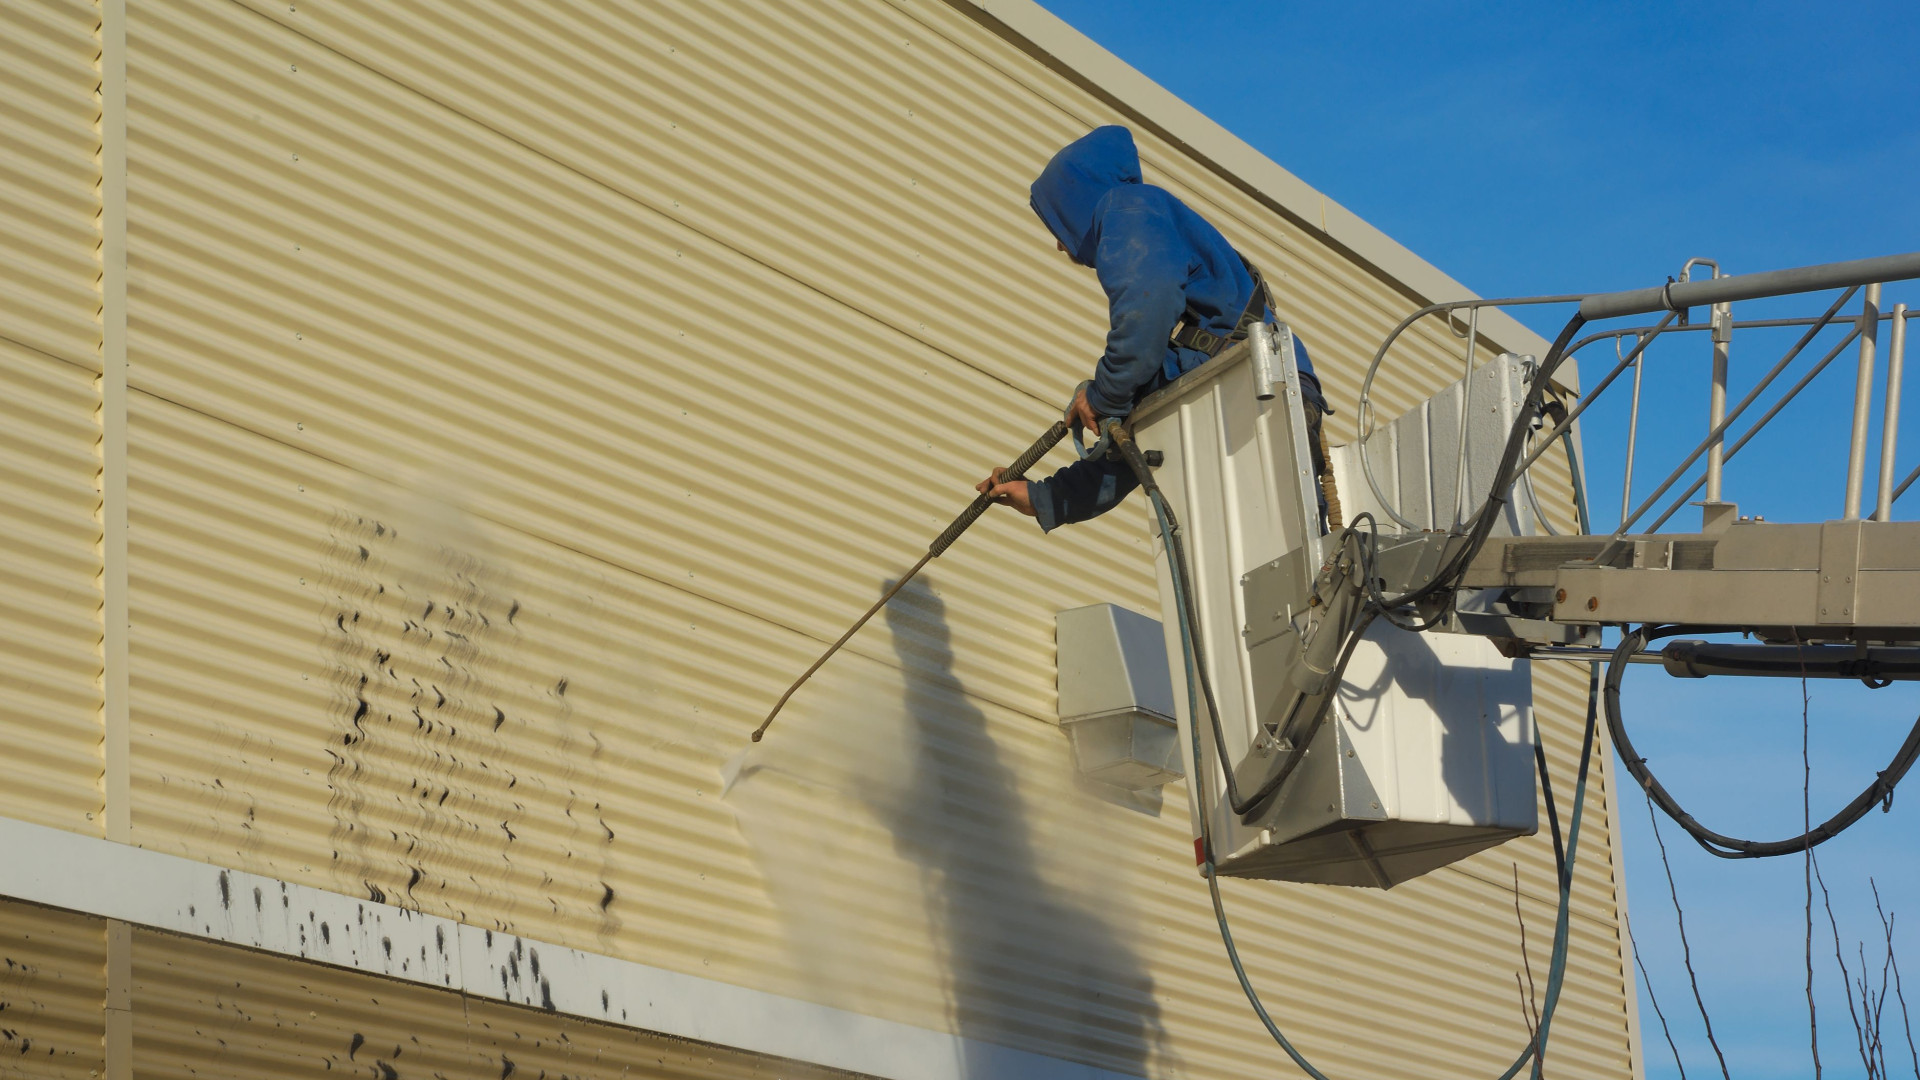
[(1731, 847)]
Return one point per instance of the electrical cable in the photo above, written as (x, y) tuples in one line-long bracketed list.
[(1728, 847)]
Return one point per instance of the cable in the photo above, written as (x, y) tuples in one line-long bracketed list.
[(1728, 847)]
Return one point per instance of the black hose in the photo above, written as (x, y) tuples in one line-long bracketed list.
[(1553, 812), (1728, 847), (1183, 592)]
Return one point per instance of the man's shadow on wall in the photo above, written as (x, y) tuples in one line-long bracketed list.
[(1027, 966)]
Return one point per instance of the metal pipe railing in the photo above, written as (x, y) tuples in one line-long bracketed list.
[(1633, 429), (1719, 432), (1862, 401), (1717, 397), (1674, 297), (1588, 398), (1890, 420), (1761, 423), (1466, 397), (1678, 296)]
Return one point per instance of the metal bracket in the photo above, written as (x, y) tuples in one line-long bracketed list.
[(1838, 592)]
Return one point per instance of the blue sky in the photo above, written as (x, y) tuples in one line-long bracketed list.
[(1548, 148)]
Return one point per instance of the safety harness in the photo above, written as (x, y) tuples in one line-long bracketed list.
[(1187, 333)]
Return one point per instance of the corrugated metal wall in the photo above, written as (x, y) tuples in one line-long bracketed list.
[(52, 987), (521, 394), (211, 1011), (49, 364)]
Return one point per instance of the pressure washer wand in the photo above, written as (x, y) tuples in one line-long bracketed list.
[(941, 543)]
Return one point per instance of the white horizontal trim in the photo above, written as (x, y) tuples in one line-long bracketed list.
[(91, 876), (1193, 131)]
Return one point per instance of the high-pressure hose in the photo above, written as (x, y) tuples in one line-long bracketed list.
[(1880, 791)]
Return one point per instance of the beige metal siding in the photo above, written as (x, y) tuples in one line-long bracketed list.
[(52, 988), (467, 538), (49, 357), (49, 599), (50, 178), (213, 1011)]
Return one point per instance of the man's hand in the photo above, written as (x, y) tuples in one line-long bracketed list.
[(1082, 413), (1006, 492)]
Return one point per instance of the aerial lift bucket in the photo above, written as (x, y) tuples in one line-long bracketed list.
[(1424, 754)]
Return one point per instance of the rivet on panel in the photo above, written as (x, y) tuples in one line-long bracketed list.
[(1560, 597), (1593, 603)]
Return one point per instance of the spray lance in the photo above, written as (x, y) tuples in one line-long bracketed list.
[(941, 543)]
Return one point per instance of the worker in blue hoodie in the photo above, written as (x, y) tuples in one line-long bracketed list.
[(1177, 294)]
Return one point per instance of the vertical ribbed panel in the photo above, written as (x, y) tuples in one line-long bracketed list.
[(52, 988), (49, 592), (50, 178), (524, 393), (49, 352), (213, 1011)]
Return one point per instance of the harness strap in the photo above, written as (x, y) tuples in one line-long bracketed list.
[(1187, 333)]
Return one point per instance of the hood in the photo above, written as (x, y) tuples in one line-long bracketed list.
[(1075, 181)]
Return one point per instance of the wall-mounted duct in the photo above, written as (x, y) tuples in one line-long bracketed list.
[(1116, 698)]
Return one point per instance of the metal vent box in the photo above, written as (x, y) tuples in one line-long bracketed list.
[(1116, 696)]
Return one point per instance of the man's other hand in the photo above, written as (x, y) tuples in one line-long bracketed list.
[(1082, 413), (1006, 492)]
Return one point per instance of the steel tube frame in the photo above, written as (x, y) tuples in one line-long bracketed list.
[(1758, 425), (1717, 398), (1678, 296), (1890, 419), (1466, 398), (1591, 396), (1738, 324), (1633, 429), (1862, 401), (1719, 433), (1364, 414)]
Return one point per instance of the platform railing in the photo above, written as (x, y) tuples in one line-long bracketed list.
[(1717, 294)]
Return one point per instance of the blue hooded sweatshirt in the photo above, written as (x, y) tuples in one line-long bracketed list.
[(1157, 260)]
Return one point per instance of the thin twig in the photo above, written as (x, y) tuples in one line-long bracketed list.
[(1806, 871), (1529, 1003), (1899, 994), (1846, 977), (1526, 1015), (1634, 944), (1686, 951), (1876, 1046)]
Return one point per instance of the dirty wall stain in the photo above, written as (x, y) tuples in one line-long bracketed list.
[(446, 748)]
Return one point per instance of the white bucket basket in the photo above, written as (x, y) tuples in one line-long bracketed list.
[(1427, 753)]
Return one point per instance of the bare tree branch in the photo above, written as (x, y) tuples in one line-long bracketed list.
[(1686, 951), (1899, 994), (1846, 977), (1655, 1001), (1529, 1004), (1806, 871)]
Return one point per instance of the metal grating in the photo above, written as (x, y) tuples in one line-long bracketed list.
[(50, 178), (477, 310), (52, 988)]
